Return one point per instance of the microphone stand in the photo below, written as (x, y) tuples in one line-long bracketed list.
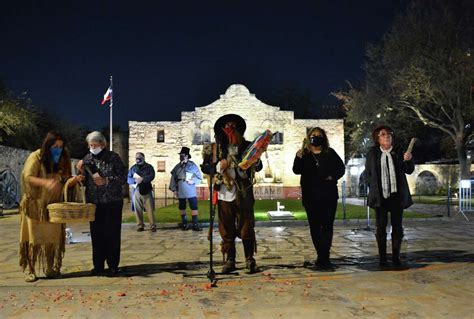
[(211, 274), (209, 168)]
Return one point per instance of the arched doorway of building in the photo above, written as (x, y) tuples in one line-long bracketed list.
[(362, 184), (426, 183)]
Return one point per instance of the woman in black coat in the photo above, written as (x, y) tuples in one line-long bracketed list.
[(388, 190), (320, 168)]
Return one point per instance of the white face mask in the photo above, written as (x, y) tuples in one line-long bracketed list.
[(96, 150)]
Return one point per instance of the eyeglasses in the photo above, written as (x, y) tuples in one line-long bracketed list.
[(386, 134)]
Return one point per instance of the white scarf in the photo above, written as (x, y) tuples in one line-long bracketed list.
[(389, 179)]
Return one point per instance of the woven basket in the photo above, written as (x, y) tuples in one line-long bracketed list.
[(71, 212)]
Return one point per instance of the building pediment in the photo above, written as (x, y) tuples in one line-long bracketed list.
[(237, 99)]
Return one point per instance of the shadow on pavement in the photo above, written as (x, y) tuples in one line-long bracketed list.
[(145, 270), (411, 260)]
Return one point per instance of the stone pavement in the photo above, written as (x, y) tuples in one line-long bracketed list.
[(164, 276)]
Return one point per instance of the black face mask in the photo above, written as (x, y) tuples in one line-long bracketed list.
[(317, 140), (183, 157)]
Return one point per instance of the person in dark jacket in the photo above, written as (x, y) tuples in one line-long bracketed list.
[(388, 190), (105, 175), (139, 178), (320, 167)]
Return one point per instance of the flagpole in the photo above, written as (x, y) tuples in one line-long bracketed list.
[(110, 108)]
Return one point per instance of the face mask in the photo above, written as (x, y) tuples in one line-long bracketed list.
[(317, 140), (56, 153), (139, 161), (96, 150), (229, 131), (183, 158)]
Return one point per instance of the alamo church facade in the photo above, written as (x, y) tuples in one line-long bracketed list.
[(161, 141)]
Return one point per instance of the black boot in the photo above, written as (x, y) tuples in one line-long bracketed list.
[(382, 246), (196, 226), (324, 250), (249, 249), (396, 247), (184, 222), (229, 265)]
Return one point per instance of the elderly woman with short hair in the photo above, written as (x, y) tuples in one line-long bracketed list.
[(388, 190), (104, 176)]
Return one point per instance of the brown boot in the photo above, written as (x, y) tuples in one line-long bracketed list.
[(52, 273), (251, 265), (249, 248), (229, 265)]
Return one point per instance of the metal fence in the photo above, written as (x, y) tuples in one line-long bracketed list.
[(449, 197), (465, 197)]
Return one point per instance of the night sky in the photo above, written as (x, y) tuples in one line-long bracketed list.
[(166, 58)]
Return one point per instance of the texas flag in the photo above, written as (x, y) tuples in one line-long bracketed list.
[(107, 95)]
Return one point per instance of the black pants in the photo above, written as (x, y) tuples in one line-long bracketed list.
[(392, 205), (106, 235), (321, 214)]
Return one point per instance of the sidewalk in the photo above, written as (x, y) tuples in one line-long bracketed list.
[(164, 275), (439, 210)]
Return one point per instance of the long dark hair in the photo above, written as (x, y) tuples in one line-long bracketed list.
[(324, 146), (45, 154)]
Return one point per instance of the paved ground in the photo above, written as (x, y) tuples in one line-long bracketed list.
[(164, 275)]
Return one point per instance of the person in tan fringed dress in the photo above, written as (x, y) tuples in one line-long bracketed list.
[(42, 244)]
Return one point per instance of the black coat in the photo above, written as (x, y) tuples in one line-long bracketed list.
[(373, 171), (314, 183), (109, 165)]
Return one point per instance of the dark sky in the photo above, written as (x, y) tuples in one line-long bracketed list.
[(169, 57)]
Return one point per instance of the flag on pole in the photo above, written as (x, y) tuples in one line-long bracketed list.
[(107, 95)]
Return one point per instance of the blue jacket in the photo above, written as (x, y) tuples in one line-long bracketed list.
[(178, 181)]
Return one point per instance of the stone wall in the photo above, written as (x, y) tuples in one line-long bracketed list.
[(12, 161), (438, 176), (11, 165), (196, 129)]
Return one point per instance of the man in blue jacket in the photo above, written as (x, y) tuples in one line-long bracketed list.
[(184, 178), (140, 176)]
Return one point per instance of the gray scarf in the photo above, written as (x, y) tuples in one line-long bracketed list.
[(389, 179)]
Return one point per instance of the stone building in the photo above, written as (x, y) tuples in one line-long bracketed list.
[(426, 179), (161, 141)]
